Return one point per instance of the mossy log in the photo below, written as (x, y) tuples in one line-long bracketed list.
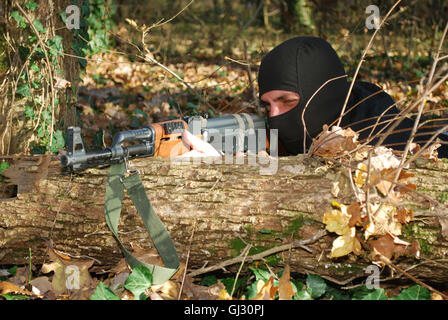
[(212, 212)]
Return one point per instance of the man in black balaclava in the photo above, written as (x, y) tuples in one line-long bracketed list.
[(293, 71)]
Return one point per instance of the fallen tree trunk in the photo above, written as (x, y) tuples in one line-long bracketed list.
[(213, 212)]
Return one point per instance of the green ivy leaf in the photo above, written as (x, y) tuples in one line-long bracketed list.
[(102, 292), (139, 112), (55, 45), (335, 294), (315, 285), (46, 116), (40, 131), (15, 297), (29, 112), (261, 274), (370, 294), (24, 90), (209, 280), (21, 22), (24, 53), (38, 150), (251, 291), (58, 141), (63, 15), (12, 271), (192, 106), (31, 5), (4, 165), (378, 294), (304, 295), (34, 67), (35, 84), (39, 26), (138, 281), (415, 292)]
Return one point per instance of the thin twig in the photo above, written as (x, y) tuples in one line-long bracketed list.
[(246, 252), (251, 80), (160, 23), (188, 257), (261, 255)]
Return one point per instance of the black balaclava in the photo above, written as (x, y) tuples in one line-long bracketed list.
[(302, 65)]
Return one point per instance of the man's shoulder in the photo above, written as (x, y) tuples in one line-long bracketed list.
[(370, 88), (371, 95)]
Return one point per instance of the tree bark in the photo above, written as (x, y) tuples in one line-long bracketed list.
[(213, 212)]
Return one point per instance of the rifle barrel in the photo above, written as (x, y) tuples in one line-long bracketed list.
[(88, 157)]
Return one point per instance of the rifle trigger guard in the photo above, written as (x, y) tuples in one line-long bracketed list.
[(129, 171)]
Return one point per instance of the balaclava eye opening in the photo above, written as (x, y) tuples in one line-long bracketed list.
[(302, 65)]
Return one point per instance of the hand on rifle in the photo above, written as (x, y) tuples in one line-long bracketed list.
[(198, 147)]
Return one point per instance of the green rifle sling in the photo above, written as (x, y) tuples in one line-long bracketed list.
[(116, 183)]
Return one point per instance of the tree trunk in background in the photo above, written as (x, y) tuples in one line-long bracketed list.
[(297, 14), (17, 131), (224, 206)]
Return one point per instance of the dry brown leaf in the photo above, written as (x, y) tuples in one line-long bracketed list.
[(356, 216), (412, 250), (431, 152), (384, 221), (334, 142), (285, 288), (384, 187), (42, 284), (345, 244), (61, 83), (169, 290), (224, 295), (149, 256), (390, 246), (436, 296), (69, 275), (383, 158), (360, 175), (384, 245), (266, 291), (7, 287), (404, 215), (21, 277), (337, 220), (193, 291), (155, 296)]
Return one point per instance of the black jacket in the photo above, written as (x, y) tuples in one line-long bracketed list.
[(363, 117)]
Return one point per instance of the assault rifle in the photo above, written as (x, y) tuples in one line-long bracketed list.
[(230, 134)]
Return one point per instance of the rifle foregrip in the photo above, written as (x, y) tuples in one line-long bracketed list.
[(146, 134)]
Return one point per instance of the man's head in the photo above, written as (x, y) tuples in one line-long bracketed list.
[(289, 75)]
